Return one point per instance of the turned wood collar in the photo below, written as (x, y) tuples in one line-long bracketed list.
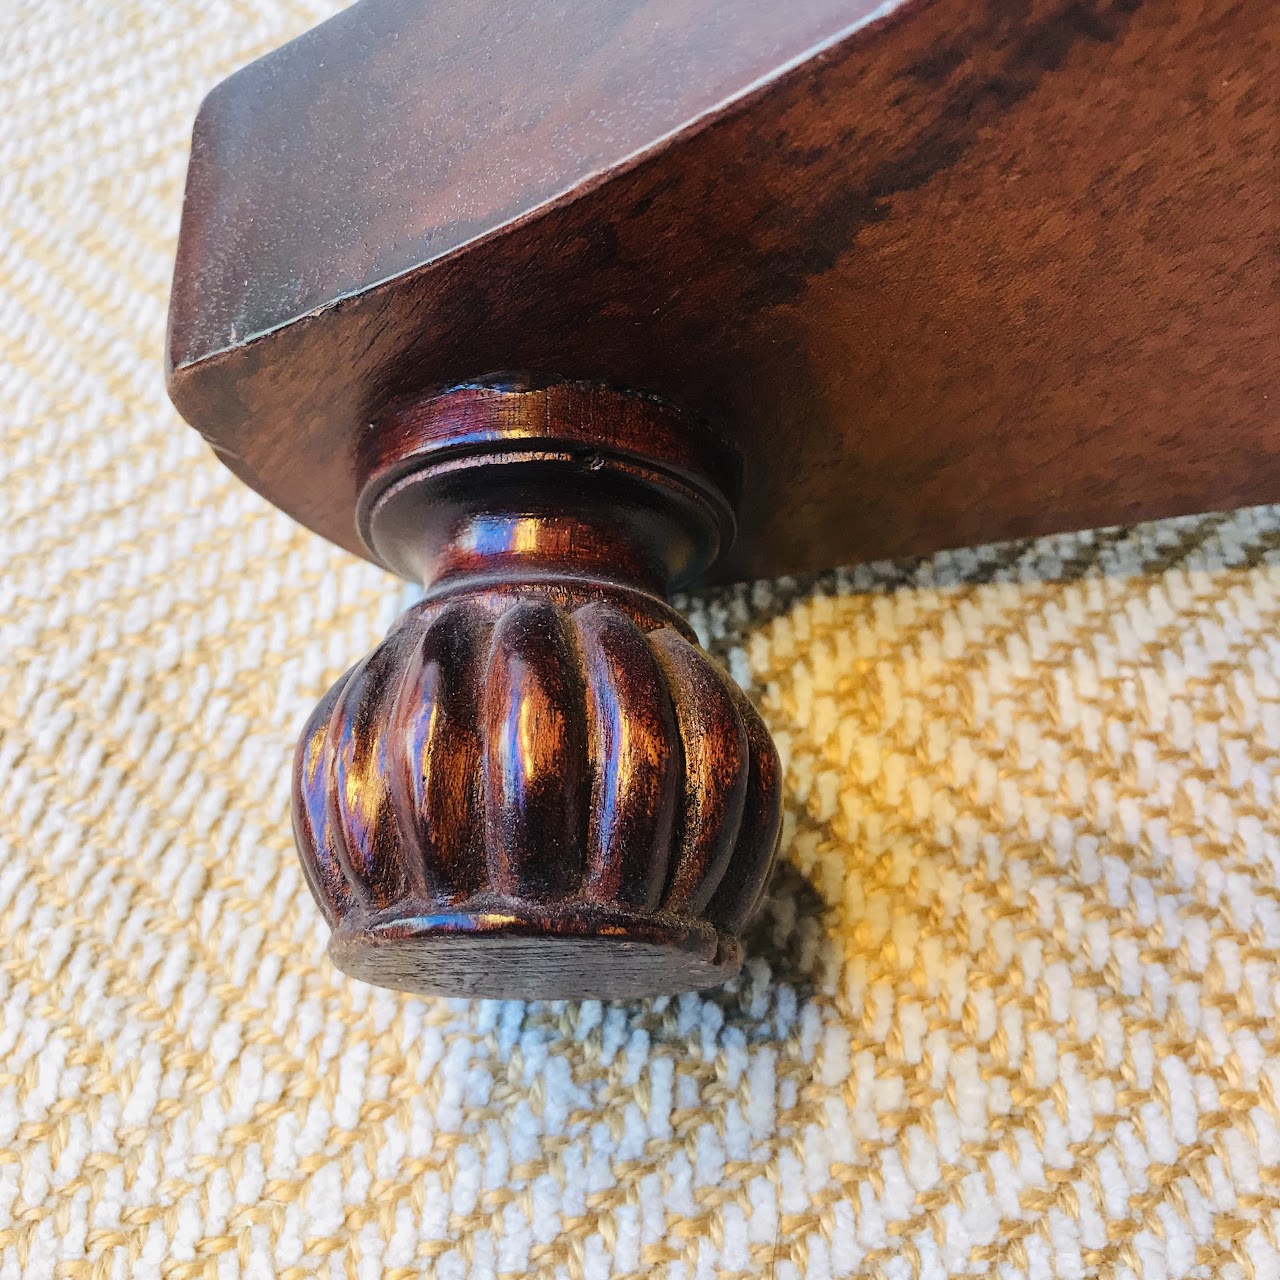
[(788, 287)]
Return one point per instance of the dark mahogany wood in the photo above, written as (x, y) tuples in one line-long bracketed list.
[(539, 785), (945, 271), (853, 279)]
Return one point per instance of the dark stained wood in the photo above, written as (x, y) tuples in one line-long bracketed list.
[(964, 271), (539, 785), (408, 511), (842, 279)]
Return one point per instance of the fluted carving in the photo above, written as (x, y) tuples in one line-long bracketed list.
[(537, 763), (539, 784)]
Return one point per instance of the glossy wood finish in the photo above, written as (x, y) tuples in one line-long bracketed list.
[(539, 785), (942, 270), (674, 484), (945, 271)]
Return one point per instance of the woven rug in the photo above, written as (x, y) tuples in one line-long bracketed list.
[(1010, 1009)]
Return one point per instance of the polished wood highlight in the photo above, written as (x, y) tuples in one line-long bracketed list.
[(784, 288), (945, 272), (539, 785)]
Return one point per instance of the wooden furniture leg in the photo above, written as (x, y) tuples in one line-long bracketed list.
[(855, 279), (539, 784)]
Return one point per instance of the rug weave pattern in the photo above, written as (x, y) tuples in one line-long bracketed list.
[(1011, 1008)]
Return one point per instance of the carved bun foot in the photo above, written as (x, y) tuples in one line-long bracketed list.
[(539, 785)]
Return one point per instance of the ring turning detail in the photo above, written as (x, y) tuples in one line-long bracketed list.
[(945, 274), (539, 785)]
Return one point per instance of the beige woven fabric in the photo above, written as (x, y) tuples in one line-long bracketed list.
[(1012, 1006)]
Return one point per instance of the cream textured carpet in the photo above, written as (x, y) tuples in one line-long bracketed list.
[(1012, 1008)]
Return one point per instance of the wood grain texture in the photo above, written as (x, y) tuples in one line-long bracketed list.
[(540, 751), (966, 271)]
